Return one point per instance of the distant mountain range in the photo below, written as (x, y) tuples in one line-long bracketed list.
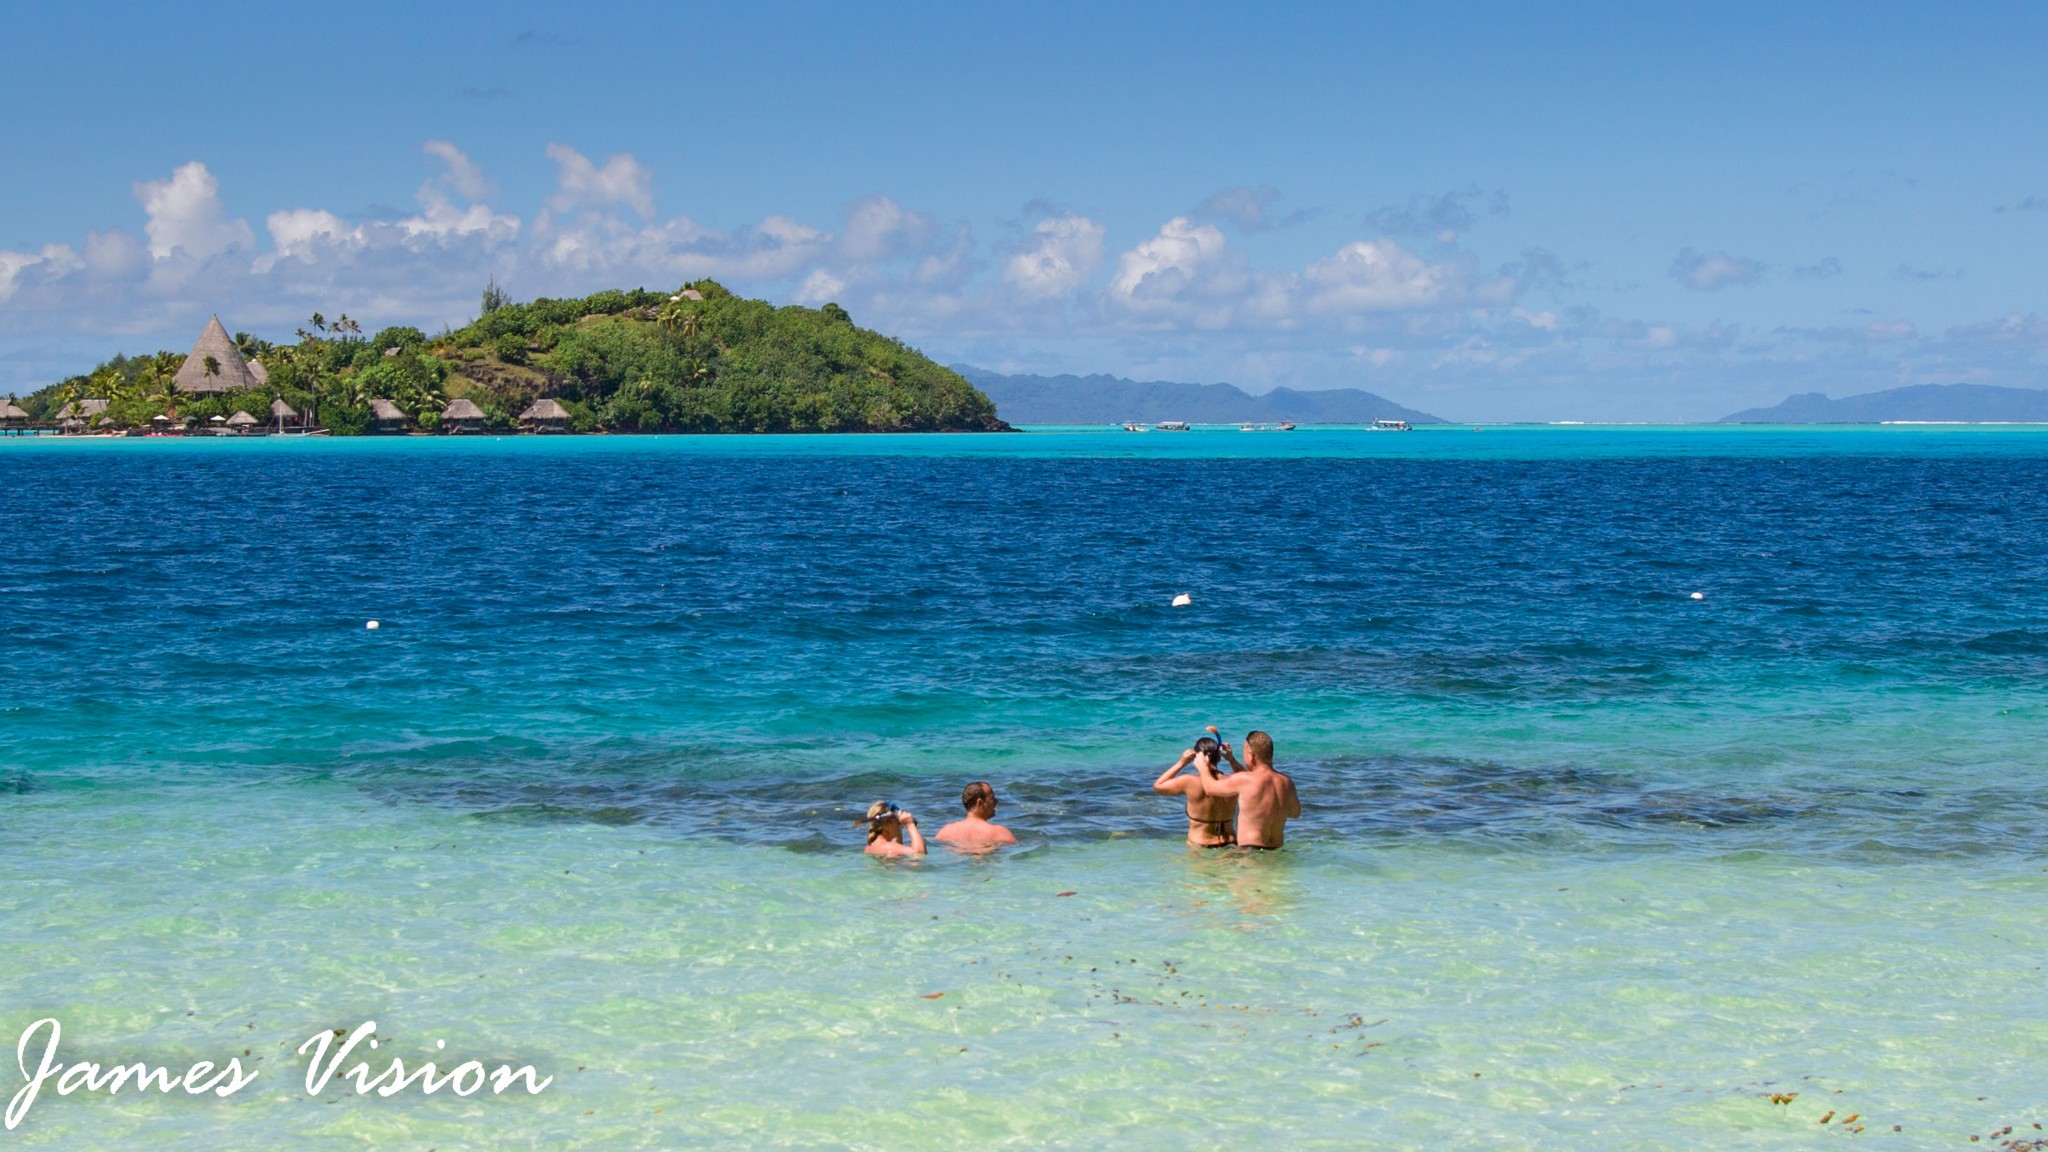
[(1967, 402), (1113, 400)]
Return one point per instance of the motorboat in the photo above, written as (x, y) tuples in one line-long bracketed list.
[(1391, 426), (1287, 425), (1137, 427), (1173, 426)]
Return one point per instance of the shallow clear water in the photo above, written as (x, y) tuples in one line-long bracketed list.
[(1584, 862)]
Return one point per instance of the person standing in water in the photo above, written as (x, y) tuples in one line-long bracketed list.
[(1209, 813), (977, 832), (1266, 799), (887, 826)]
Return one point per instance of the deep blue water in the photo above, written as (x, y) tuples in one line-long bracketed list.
[(1446, 631)]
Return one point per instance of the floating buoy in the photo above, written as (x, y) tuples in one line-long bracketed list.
[(1699, 595), (1183, 600), (373, 625)]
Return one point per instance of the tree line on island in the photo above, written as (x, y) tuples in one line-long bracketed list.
[(699, 359)]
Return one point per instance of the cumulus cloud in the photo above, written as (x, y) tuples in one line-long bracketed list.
[(461, 172), (185, 213), (1185, 271), (1381, 276), (1709, 271), (622, 181), (877, 227), (1062, 253)]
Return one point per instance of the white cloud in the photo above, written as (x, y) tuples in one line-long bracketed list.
[(185, 212), (876, 228), (301, 232), (1705, 272), (1184, 260), (1381, 276), (582, 184), (1063, 252), (461, 172)]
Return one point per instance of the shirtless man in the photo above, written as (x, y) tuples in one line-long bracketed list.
[(978, 832), (1266, 799), (1209, 814)]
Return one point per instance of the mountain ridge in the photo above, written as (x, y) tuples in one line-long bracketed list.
[(1966, 403), (1105, 399)]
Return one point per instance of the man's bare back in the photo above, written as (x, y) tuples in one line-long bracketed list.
[(1266, 799)]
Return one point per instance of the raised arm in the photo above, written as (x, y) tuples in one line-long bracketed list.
[(910, 831), (1212, 783), (1168, 783)]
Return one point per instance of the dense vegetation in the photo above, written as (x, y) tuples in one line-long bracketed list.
[(698, 360)]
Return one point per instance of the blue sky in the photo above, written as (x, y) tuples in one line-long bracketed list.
[(1487, 211)]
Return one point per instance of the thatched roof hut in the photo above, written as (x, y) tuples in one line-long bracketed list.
[(81, 410), (388, 417), (545, 415), (258, 372), (281, 410), (242, 421), (229, 373), (12, 415), (462, 415)]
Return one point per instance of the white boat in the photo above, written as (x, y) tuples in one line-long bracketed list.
[(1287, 425), (1391, 426), (1137, 427), (1173, 426), (1247, 427)]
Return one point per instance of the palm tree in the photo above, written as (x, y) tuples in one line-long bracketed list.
[(680, 317)]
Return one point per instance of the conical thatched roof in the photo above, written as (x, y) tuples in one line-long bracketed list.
[(279, 408), (233, 373), (384, 409), (9, 410), (81, 409), (546, 408), (241, 420), (462, 409), (258, 372)]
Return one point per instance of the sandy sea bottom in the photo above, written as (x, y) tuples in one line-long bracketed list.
[(691, 991)]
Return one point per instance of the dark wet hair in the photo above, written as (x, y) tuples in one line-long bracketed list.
[(976, 794)]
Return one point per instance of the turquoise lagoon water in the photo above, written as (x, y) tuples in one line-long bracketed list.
[(1584, 863)]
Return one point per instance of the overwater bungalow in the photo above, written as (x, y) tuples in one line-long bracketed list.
[(74, 418), (460, 416), (13, 417), (386, 417), (545, 415)]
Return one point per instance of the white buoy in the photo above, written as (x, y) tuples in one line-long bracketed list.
[(1699, 595), (373, 625), (1183, 600)]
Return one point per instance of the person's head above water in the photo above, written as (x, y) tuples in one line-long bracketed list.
[(979, 799), (1207, 748), (882, 821), (1258, 748)]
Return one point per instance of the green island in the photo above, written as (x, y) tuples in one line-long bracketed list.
[(699, 359)]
